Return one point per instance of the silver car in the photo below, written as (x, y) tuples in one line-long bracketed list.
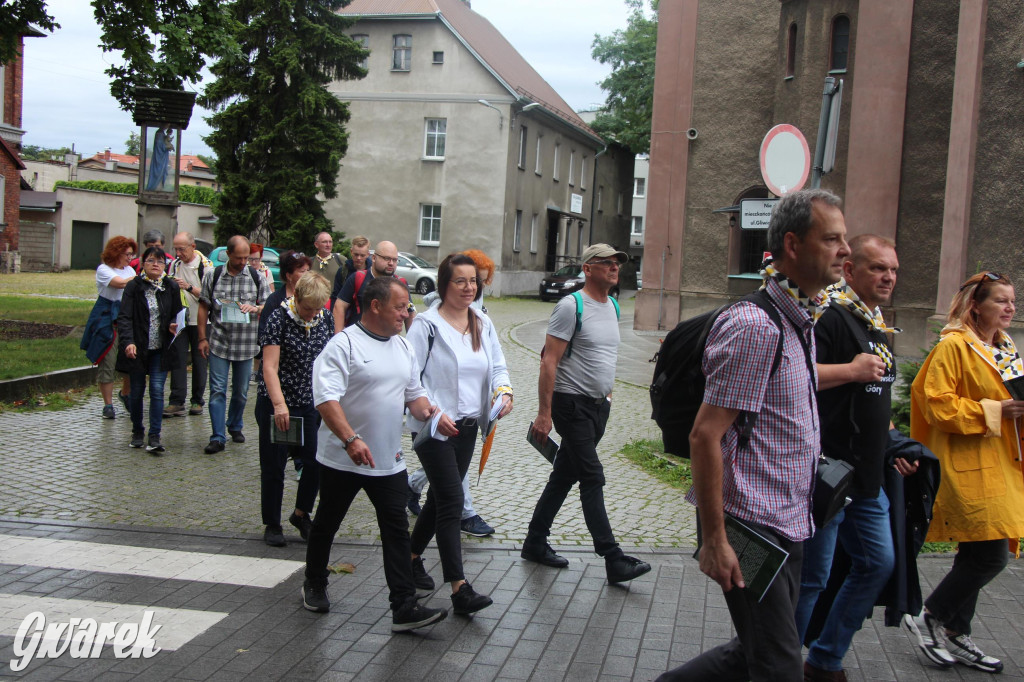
[(420, 275)]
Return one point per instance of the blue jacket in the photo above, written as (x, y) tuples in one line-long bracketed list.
[(98, 337)]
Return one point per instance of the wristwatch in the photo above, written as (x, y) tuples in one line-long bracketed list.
[(348, 441)]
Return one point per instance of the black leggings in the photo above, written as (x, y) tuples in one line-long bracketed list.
[(976, 564)]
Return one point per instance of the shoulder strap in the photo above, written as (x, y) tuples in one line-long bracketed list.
[(855, 325), (255, 280), (217, 272), (746, 421), (618, 311), (360, 278), (430, 346), (577, 296)]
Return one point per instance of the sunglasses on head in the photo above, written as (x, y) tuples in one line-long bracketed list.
[(992, 276)]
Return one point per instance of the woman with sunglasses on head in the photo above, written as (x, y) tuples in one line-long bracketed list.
[(961, 409), (255, 261), (145, 329), (464, 372)]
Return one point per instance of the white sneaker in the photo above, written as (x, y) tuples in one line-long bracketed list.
[(963, 649), (926, 629)]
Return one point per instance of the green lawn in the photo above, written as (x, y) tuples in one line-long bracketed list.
[(19, 358), (79, 283), (70, 311)]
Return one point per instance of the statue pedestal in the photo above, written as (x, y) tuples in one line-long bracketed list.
[(161, 216)]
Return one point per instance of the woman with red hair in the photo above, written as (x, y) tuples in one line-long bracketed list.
[(112, 276)]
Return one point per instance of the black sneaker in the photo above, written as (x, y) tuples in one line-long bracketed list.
[(543, 554), (467, 601), (138, 439), (274, 536), (625, 568), (314, 597), (424, 583), (108, 412), (413, 503), (963, 649), (303, 523), (926, 629), (123, 397), (412, 616), (214, 447), (154, 446), (237, 436), (476, 527)]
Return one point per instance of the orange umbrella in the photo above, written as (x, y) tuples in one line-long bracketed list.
[(486, 451)]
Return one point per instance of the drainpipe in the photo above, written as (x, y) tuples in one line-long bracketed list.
[(661, 288), (593, 189)]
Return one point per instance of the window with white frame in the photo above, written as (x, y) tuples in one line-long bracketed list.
[(572, 169), (554, 168), (639, 187), (363, 41), (517, 234), (536, 163), (638, 225), (434, 138), (430, 225), (533, 234), (583, 172), (401, 59), (522, 147)]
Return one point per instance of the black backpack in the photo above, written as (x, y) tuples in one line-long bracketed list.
[(678, 387)]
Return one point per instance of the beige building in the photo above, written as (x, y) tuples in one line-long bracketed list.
[(455, 142), (929, 149)]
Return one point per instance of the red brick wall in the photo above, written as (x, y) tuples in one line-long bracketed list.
[(12, 93)]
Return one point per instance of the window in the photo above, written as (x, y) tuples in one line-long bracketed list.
[(430, 225), (363, 41), (791, 52), (438, 57), (600, 198), (583, 173), (533, 234), (639, 187), (638, 225), (554, 170), (840, 55), (434, 138), (517, 235), (401, 59), (536, 163), (3, 204), (572, 163), (522, 147)]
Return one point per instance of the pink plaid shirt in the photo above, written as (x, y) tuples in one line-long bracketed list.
[(771, 480)]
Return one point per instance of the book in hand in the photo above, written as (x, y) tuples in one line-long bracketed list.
[(295, 435), (1016, 388), (549, 448), (760, 558)]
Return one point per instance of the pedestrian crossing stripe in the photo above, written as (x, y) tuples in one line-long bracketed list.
[(146, 561)]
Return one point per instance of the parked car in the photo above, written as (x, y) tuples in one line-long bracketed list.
[(271, 257), (564, 281), (419, 275)]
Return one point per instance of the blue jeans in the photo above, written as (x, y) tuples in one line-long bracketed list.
[(137, 383), (240, 371), (863, 528)]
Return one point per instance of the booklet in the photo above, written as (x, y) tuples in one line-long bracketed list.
[(179, 320), (295, 435), (429, 431), (230, 313), (760, 558), (1016, 388), (548, 448)]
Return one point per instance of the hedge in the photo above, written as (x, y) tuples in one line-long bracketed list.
[(187, 193)]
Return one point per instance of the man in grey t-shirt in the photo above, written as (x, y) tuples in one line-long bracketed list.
[(576, 375)]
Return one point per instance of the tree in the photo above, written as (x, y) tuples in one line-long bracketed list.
[(630, 86), (133, 145), (33, 152), (278, 133), (17, 17), (210, 161), (164, 43)]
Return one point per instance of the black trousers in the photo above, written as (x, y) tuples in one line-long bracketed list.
[(766, 646), (954, 600), (580, 421), (388, 495), (187, 344), (445, 464), (274, 462)]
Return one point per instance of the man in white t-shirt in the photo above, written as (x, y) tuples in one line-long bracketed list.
[(362, 382)]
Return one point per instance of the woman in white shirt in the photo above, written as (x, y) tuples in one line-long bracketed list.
[(464, 372)]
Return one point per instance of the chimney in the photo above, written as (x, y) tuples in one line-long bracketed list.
[(106, 154)]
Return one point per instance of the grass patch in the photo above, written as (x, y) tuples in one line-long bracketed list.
[(938, 547), (77, 283), (50, 402), (24, 358), (648, 455), (70, 311)]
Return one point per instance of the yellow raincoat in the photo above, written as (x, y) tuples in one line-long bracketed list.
[(955, 410)]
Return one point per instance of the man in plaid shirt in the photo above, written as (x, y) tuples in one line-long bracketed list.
[(232, 306), (767, 484)]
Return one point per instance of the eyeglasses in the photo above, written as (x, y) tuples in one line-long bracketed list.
[(607, 262), (153, 261), (463, 283), (386, 259), (254, 259)]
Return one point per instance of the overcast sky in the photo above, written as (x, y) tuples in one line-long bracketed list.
[(68, 100)]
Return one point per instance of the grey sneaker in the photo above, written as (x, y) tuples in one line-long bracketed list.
[(138, 439), (414, 616), (154, 446), (108, 412), (476, 527), (926, 629), (963, 649)]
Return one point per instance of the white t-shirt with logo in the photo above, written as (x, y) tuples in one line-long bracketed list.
[(372, 378), (104, 275)]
